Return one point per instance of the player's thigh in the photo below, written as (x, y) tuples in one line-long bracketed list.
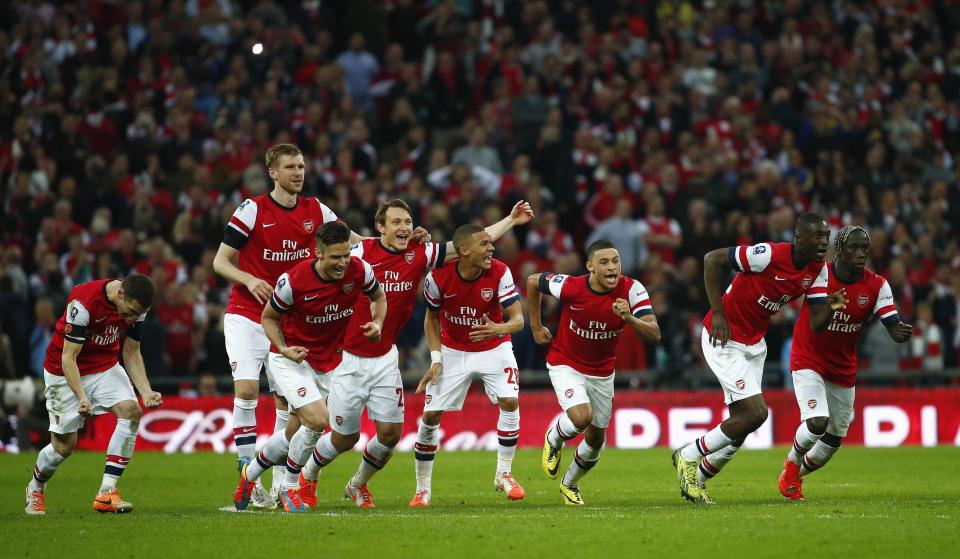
[(497, 368), (840, 400), (110, 388), (600, 391), (295, 381), (347, 396), (811, 392), (450, 390), (247, 346), (385, 396), (62, 405), (569, 385), (735, 367)]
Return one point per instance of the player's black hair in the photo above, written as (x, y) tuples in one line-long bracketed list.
[(332, 233), (139, 288), (809, 219), (463, 234), (600, 244), (842, 237)]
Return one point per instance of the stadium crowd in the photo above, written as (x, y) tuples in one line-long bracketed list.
[(130, 131)]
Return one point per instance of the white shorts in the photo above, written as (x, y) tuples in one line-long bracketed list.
[(373, 382), (104, 390), (496, 367), (738, 367), (299, 383), (247, 348), (574, 388), (821, 398)]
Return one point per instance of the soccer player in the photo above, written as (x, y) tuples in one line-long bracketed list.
[(595, 309), (824, 362), (84, 378), (771, 275), (266, 236), (370, 373), (305, 322), (466, 303)]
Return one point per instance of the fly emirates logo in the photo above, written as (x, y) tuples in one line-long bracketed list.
[(331, 313), (392, 284), (288, 253), (595, 330), (467, 317), (109, 335), (841, 323), (771, 305)]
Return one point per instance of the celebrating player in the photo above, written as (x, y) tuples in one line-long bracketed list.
[(306, 322), (771, 275), (824, 362), (266, 236), (466, 302), (83, 378), (596, 308), (370, 373)]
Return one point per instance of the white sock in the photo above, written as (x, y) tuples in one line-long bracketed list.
[(712, 464), (323, 454), (706, 445), (279, 425), (375, 457), (563, 430), (817, 457), (47, 463), (301, 445), (119, 451), (245, 427), (273, 453), (424, 451), (508, 431), (802, 443), (585, 459)]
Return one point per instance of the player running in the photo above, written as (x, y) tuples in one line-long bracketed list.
[(824, 362), (369, 375), (595, 309), (305, 322), (84, 378), (466, 302), (266, 236), (771, 275)]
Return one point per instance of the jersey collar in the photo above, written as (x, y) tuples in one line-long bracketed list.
[(281, 206), (586, 280), (316, 272)]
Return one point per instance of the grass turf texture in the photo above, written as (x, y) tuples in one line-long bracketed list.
[(865, 503)]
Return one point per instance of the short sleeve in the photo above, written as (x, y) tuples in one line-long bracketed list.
[(639, 300), (282, 298), (431, 292), (241, 224), (370, 283), (886, 309), (326, 214), (552, 284), (78, 318), (135, 329), (750, 259), (507, 291), (817, 292), (356, 250), (436, 254)]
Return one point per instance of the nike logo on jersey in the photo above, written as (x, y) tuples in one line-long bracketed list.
[(310, 297), (100, 319), (449, 296), (572, 308), (375, 265), (265, 225), (778, 278)]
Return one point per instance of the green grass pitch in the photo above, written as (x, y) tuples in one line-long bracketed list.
[(866, 503)]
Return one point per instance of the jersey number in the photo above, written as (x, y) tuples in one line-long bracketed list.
[(513, 375), (399, 392)]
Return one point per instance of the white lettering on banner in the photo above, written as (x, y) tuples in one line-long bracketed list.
[(885, 426), (762, 437), (214, 428), (928, 426), (679, 421), (636, 428)]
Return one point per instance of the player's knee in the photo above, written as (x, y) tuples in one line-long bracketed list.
[(245, 392), (129, 410), (509, 404), (280, 402), (832, 440), (581, 420), (432, 417), (390, 436), (343, 443), (817, 425), (64, 447), (757, 417)]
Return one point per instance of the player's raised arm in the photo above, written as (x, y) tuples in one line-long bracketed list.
[(521, 214), (541, 334), (637, 312)]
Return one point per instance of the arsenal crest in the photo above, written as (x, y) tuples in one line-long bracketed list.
[(409, 257), (862, 300), (339, 420), (428, 399), (486, 293), (740, 384), (348, 287), (807, 280), (302, 391), (308, 225), (568, 393), (811, 404)]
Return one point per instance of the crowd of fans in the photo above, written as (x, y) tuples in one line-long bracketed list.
[(129, 132)]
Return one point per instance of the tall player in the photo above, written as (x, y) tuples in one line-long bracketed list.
[(596, 308), (266, 236), (771, 275), (306, 321), (84, 378), (824, 362), (466, 304), (370, 372)]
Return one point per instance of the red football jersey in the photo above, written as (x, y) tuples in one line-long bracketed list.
[(767, 281), (92, 320), (462, 303), (588, 330), (833, 352), (317, 311), (400, 274), (271, 239)]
